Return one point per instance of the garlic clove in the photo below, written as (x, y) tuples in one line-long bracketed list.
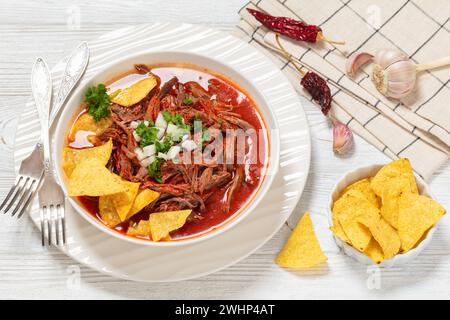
[(342, 138), (386, 57), (401, 78), (356, 61), (399, 90), (401, 71)]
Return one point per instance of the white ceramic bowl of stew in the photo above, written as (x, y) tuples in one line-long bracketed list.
[(184, 59)]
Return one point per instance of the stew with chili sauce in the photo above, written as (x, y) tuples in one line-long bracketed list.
[(215, 188)]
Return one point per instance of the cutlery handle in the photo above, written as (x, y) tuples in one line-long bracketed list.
[(75, 67), (41, 86), (443, 62)]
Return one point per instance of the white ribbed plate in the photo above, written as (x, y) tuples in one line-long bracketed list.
[(118, 258)]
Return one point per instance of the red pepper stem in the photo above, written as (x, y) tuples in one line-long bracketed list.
[(285, 54), (321, 37), (290, 58)]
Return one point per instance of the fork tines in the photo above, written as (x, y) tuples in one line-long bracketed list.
[(53, 224), (21, 194)]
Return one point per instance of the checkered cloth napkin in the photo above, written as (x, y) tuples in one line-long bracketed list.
[(418, 127)]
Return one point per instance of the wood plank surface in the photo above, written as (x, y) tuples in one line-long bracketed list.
[(50, 29)]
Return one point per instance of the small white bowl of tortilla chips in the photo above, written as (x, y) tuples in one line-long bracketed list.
[(383, 214)]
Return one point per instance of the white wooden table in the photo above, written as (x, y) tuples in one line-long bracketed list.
[(51, 29)]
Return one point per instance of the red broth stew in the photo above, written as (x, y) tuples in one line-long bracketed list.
[(214, 191)]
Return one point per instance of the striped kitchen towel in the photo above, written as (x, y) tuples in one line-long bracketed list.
[(418, 127)]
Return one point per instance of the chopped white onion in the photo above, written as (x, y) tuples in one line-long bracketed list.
[(149, 150), (148, 161), (146, 123), (173, 152), (178, 134), (189, 145), (160, 121), (162, 156), (136, 136), (134, 124), (185, 137), (160, 133), (139, 153), (171, 128)]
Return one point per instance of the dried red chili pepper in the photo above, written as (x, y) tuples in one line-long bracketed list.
[(318, 88), (294, 29)]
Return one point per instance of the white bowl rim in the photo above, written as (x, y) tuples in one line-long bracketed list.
[(231, 221), (359, 256)]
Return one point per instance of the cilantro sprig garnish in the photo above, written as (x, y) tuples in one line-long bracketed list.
[(148, 135), (98, 102), (176, 119)]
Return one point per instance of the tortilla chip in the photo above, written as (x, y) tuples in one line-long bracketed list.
[(417, 214), (347, 209), (364, 187), (348, 200), (143, 199), (91, 178), (374, 251), (358, 235), (352, 204), (124, 201), (394, 170), (108, 212), (390, 195), (86, 122), (383, 233), (142, 229), (336, 228), (302, 250), (134, 93), (162, 223), (71, 157)]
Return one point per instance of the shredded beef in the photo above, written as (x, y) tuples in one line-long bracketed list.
[(185, 186)]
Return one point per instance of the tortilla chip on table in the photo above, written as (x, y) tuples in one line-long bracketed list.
[(302, 250)]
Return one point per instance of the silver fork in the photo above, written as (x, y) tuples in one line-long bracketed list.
[(31, 169), (51, 196), (26, 184)]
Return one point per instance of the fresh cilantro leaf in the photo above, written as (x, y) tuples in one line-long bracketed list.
[(154, 170), (148, 135), (167, 116), (97, 101), (176, 119), (165, 145), (151, 123)]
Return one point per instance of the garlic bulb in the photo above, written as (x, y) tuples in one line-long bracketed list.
[(394, 75), (342, 138)]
